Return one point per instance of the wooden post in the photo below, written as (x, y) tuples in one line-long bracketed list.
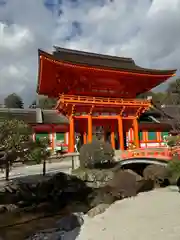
[(73, 162), (89, 128), (44, 167), (71, 134), (136, 132), (7, 168), (120, 132), (112, 137)]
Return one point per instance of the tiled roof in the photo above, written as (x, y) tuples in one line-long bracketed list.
[(33, 116), (101, 60)]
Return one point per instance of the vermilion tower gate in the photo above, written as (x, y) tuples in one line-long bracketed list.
[(97, 90)]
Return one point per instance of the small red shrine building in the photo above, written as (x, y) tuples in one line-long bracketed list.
[(98, 90)]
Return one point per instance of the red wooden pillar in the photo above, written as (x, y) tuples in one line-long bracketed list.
[(84, 138), (120, 132), (136, 132), (112, 137), (71, 134), (89, 128)]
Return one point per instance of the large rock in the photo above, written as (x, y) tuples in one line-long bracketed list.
[(94, 178), (63, 226), (98, 209), (159, 174), (103, 195), (111, 184), (122, 185), (138, 177), (60, 188), (124, 182), (144, 185), (7, 208)]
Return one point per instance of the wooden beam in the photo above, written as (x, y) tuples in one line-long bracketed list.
[(103, 117)]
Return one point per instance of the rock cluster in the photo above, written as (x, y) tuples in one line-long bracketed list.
[(124, 184), (90, 188), (94, 178), (159, 174), (57, 190), (94, 189)]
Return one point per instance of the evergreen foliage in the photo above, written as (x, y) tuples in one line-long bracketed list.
[(96, 154)]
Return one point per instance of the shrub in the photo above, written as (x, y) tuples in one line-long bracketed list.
[(173, 141), (97, 154), (174, 167), (36, 155)]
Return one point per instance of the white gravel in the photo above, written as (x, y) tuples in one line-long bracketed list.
[(152, 215)]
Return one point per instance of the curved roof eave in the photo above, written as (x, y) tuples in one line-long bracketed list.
[(132, 67)]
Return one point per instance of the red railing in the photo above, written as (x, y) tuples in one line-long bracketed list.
[(101, 100), (165, 154)]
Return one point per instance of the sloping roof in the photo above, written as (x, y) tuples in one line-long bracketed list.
[(33, 116), (101, 60), (69, 71), (156, 115), (152, 112), (52, 116), (94, 75)]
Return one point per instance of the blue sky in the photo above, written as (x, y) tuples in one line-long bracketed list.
[(146, 30)]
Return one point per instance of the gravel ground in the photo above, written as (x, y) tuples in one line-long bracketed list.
[(152, 215)]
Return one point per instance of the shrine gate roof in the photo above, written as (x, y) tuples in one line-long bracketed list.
[(82, 73)]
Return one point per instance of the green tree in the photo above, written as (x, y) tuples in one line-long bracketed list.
[(145, 95), (157, 98), (13, 101), (44, 103), (173, 93), (16, 141)]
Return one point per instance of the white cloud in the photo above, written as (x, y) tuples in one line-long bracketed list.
[(148, 31), (14, 37)]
